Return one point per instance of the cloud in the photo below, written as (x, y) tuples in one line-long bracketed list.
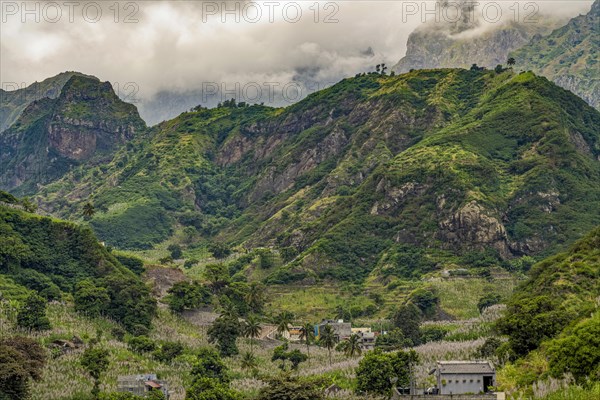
[(180, 46)]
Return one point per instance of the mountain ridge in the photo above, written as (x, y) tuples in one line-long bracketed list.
[(450, 161)]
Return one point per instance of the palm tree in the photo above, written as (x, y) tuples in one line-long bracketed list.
[(327, 339), (88, 210), (249, 361), (252, 329), (352, 347), (511, 61), (283, 321), (255, 297), (307, 334), (229, 310)]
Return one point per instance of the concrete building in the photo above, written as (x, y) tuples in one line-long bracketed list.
[(341, 329), (460, 377), (141, 385)]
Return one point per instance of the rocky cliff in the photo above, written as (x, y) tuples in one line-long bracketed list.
[(568, 56), (86, 121)]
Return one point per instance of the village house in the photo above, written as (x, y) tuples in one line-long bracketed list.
[(141, 385), (460, 377), (341, 329), (294, 334)]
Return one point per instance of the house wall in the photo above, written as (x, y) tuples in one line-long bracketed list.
[(461, 383)]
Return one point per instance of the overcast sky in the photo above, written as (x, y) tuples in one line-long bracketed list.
[(179, 45)]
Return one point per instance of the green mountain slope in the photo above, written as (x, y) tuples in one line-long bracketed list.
[(14, 102), (87, 121), (568, 56), (449, 163), (552, 320), (53, 257)]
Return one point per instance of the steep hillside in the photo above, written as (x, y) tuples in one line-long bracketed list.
[(87, 121), (53, 257), (13, 102), (552, 320), (446, 163), (568, 56)]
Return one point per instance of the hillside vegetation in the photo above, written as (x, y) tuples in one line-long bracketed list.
[(394, 174)]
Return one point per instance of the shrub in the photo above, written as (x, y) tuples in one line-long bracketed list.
[(141, 344), (32, 314)]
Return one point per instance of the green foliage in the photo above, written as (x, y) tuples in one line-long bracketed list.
[(488, 300), (187, 296), (432, 333), (293, 388), (210, 378), (141, 344), (32, 314), (48, 253), (132, 263), (21, 359), (219, 250), (168, 351), (393, 340), (90, 299), (427, 300), (95, 362), (559, 291), (224, 333), (295, 357), (576, 351), (38, 282), (377, 368), (175, 251), (407, 319)]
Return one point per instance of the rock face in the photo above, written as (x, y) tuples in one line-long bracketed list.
[(568, 56), (428, 47), (85, 122)]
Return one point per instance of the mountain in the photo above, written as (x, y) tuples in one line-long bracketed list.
[(14, 102), (434, 47), (377, 174), (568, 56), (87, 121)]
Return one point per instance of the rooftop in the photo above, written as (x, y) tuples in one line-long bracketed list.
[(465, 367)]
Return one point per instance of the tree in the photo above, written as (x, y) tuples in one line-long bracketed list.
[(32, 314), (252, 329), (377, 369), (141, 344), (88, 210), (327, 339), (175, 251), (217, 276), (499, 69), (576, 351), (224, 332), (249, 361), (295, 357), (21, 360), (168, 351), (210, 378), (90, 299), (293, 388), (219, 250), (383, 68), (283, 321), (407, 319), (187, 296), (352, 346), (511, 61), (307, 333), (208, 364), (393, 340), (255, 297), (95, 362)]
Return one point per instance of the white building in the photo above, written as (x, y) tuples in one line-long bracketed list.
[(460, 377)]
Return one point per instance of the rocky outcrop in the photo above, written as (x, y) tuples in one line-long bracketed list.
[(86, 121), (472, 226)]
